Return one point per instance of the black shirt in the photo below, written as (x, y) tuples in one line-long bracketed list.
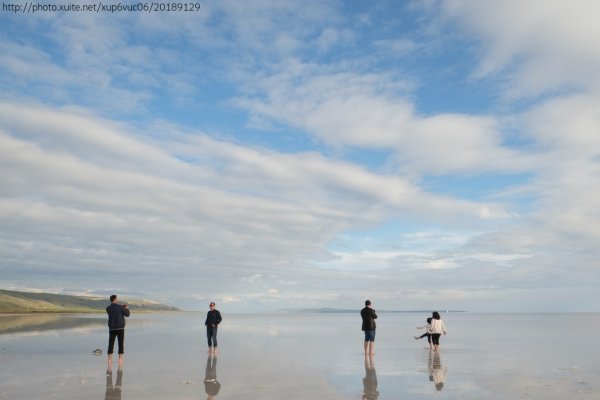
[(368, 316), (213, 317), (116, 316)]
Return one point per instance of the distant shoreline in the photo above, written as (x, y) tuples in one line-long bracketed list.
[(74, 312), (14, 302), (327, 310)]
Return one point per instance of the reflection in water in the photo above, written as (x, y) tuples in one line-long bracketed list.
[(370, 391), (211, 384), (44, 322), (437, 371), (113, 392)]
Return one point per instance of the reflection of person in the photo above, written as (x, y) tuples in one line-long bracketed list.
[(437, 328), (116, 327), (211, 385), (113, 392), (213, 319), (437, 372), (368, 326), (370, 391), (427, 333)]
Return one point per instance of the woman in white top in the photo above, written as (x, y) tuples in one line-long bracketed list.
[(437, 328)]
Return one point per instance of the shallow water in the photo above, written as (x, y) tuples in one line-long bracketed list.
[(302, 356)]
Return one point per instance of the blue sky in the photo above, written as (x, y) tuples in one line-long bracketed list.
[(274, 154)]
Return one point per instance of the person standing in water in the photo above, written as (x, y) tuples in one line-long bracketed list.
[(437, 328), (116, 328), (368, 326), (213, 319), (427, 333)]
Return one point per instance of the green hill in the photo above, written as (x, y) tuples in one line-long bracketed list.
[(25, 302)]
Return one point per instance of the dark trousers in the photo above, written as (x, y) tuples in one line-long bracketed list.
[(428, 336), (211, 335), (116, 333), (435, 337)]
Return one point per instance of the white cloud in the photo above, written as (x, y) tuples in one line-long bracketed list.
[(82, 194), (252, 278), (439, 264), (545, 45), (330, 38), (88, 202), (362, 261), (364, 111)]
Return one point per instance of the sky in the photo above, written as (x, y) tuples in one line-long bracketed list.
[(269, 155)]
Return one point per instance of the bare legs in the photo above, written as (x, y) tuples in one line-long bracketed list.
[(110, 362), (369, 348)]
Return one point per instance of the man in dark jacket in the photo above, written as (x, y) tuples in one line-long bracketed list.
[(213, 319), (368, 326), (116, 328)]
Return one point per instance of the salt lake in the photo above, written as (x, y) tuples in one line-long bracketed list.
[(302, 356)]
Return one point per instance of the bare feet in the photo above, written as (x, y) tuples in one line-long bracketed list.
[(416, 337)]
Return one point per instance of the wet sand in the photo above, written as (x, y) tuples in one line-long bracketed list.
[(302, 356)]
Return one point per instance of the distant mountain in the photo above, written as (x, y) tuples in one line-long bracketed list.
[(348, 310), (25, 302), (319, 310)]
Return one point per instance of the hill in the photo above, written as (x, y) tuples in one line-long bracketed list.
[(25, 302)]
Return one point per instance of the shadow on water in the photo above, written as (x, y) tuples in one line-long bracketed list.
[(113, 392), (211, 384), (437, 371), (45, 322), (370, 391)]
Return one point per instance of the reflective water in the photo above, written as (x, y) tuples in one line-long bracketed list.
[(302, 356)]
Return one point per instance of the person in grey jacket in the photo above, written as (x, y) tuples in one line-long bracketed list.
[(116, 328)]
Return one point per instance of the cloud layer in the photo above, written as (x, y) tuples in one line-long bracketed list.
[(285, 155)]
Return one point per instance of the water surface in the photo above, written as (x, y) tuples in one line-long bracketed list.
[(302, 356)]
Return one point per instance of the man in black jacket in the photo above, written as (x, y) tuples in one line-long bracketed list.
[(213, 319), (368, 326), (116, 328)]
